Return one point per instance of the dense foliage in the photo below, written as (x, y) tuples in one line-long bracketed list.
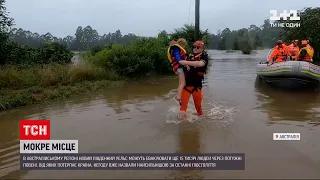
[(12, 52), (140, 58), (27, 56)]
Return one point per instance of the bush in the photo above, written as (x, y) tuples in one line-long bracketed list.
[(96, 49), (246, 51), (13, 53), (25, 56), (52, 53), (141, 58)]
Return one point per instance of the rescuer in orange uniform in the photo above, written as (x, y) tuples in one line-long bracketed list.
[(293, 49), (198, 63), (279, 53), (308, 45), (305, 53)]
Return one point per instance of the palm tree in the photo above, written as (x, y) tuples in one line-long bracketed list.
[(187, 32)]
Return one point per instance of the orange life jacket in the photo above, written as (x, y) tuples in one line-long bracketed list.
[(278, 54), (175, 64), (312, 50), (307, 57)]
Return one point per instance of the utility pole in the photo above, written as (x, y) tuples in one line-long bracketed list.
[(197, 20)]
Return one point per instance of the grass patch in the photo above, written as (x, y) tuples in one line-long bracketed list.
[(15, 77), (23, 86), (14, 98)]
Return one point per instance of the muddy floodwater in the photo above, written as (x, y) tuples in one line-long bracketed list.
[(241, 118)]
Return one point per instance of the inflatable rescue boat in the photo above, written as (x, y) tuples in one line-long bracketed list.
[(289, 74)]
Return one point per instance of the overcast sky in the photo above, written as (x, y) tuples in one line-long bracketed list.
[(143, 17)]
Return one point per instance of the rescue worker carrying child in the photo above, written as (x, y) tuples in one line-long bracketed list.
[(198, 64)]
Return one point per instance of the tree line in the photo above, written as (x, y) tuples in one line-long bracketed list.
[(86, 38), (22, 42), (254, 37)]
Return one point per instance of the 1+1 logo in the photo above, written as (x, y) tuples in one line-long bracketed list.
[(292, 15)]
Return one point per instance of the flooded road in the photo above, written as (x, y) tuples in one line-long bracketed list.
[(142, 118)]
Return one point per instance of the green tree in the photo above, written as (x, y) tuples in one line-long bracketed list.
[(5, 23), (257, 41), (235, 44), (84, 39), (188, 32), (214, 41), (253, 37), (222, 44)]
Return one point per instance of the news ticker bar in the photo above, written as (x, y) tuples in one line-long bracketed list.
[(134, 161)]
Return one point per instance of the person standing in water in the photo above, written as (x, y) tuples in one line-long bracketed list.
[(198, 64), (176, 53)]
